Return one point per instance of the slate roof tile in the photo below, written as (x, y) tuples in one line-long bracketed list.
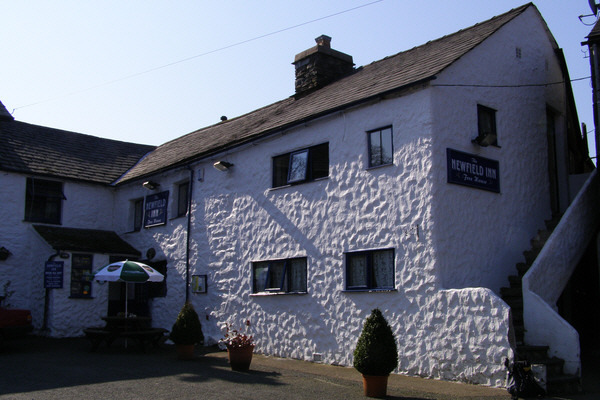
[(34, 149), (385, 76), (85, 240)]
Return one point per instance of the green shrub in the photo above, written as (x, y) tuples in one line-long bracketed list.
[(187, 328), (376, 352)]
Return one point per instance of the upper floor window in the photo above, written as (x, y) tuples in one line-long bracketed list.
[(373, 269), (486, 126), (43, 201), (138, 213), (286, 276), (301, 166), (381, 149), (182, 199)]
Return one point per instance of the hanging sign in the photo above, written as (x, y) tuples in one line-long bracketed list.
[(53, 274), (472, 170), (155, 210)]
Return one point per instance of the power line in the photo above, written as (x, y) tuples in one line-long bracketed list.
[(510, 86), (198, 55)]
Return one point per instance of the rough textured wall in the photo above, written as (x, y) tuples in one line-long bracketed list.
[(87, 206), (481, 235)]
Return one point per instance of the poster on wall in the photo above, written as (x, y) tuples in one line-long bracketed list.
[(155, 210), (472, 170), (53, 274)]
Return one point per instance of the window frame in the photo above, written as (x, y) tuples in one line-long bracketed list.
[(381, 162), (285, 284), (484, 112), (46, 205), (369, 277), (83, 277), (182, 205), (137, 214), (283, 173)]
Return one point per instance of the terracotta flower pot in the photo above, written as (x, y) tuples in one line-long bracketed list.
[(185, 351), (375, 386), (240, 357)]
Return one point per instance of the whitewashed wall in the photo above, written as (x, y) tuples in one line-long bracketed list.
[(87, 206), (481, 235)]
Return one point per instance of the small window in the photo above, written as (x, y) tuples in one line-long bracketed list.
[(284, 276), (138, 214), (486, 126), (81, 275), (43, 201), (367, 270), (182, 198), (301, 166), (381, 149)]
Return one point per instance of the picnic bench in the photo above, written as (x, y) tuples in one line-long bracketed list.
[(136, 328)]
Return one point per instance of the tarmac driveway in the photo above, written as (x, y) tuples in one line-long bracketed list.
[(42, 368)]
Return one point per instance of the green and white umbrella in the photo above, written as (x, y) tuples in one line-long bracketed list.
[(129, 272)]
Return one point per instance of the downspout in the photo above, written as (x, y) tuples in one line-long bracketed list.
[(189, 229), (47, 296)]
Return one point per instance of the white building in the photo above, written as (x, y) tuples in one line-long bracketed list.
[(413, 184)]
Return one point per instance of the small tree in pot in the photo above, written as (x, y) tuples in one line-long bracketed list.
[(187, 332), (376, 354)]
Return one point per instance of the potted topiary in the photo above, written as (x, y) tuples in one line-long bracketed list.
[(376, 354), (186, 332)]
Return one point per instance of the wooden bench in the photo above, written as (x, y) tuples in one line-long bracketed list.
[(155, 336)]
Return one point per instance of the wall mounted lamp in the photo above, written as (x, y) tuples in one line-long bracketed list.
[(222, 165), (150, 185)]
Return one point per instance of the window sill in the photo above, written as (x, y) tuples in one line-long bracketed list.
[(81, 297), (266, 294), (178, 217), (379, 166), (369, 290), (298, 183)]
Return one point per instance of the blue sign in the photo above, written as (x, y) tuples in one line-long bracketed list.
[(155, 210), (472, 170), (53, 274)]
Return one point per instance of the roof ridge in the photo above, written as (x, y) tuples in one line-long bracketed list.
[(517, 11)]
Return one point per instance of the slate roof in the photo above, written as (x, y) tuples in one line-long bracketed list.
[(372, 81), (34, 149), (85, 240)]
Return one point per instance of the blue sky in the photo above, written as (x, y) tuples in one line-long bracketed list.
[(151, 71)]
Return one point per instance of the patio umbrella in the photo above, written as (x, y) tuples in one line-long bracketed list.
[(129, 272)]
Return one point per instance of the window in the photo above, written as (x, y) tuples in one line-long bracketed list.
[(81, 275), (285, 276), (486, 126), (138, 214), (301, 166), (381, 150), (370, 270), (43, 201), (182, 199)]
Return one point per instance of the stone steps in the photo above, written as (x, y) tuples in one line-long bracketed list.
[(556, 381)]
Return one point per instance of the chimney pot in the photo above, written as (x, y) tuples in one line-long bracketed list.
[(324, 41)]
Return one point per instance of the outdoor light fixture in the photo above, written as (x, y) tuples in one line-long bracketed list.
[(150, 185), (222, 165)]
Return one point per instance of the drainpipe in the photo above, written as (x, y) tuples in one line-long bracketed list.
[(189, 229), (47, 296)]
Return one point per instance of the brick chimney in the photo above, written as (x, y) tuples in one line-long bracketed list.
[(319, 66)]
